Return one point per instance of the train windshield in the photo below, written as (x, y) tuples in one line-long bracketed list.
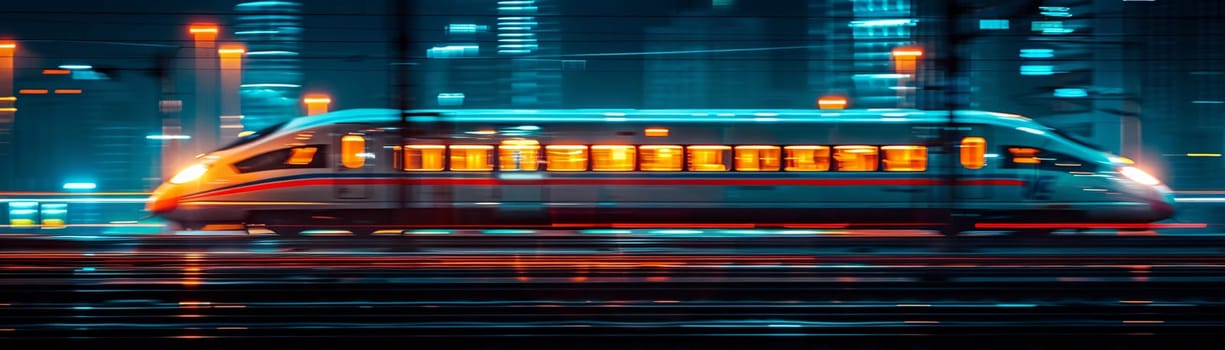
[(249, 137), (1075, 139)]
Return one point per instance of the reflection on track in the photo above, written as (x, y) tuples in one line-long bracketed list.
[(618, 289)]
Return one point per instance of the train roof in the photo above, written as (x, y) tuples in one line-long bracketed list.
[(706, 116)]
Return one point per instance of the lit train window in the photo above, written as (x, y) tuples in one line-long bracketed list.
[(519, 155), (566, 158), (301, 155), (855, 158), (424, 157), (1024, 155), (973, 152), (807, 158), (709, 158), (288, 158), (352, 148), (471, 157), (661, 158), (905, 158), (612, 158), (758, 158), (1027, 157)]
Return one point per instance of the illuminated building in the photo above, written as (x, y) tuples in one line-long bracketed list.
[(523, 34), (230, 65), (1056, 61), (459, 71), (85, 127), (206, 125), (829, 64), (698, 67), (272, 77), (8, 112), (1173, 65), (851, 51)]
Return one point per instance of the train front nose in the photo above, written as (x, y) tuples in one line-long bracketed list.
[(164, 199), (1163, 203), (1147, 187)]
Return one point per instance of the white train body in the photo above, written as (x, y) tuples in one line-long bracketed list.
[(576, 168)]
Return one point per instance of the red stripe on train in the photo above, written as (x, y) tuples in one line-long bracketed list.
[(614, 182)]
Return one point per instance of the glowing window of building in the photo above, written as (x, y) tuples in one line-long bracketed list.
[(973, 152), (709, 158), (519, 155), (807, 158), (855, 158), (352, 151), (566, 158), (424, 157), (661, 158), (612, 158), (905, 158), (758, 158), (471, 158)]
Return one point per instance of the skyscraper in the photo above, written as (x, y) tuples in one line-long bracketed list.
[(1173, 51), (271, 87), (8, 112), (705, 58), (522, 36)]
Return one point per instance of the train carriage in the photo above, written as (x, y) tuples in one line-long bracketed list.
[(658, 168)]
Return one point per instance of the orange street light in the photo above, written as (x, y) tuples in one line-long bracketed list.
[(317, 103), (202, 28), (905, 59), (203, 33)]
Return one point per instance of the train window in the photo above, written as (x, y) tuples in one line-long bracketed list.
[(758, 158), (301, 155), (807, 158), (973, 152), (708, 158), (471, 157), (289, 158), (612, 158), (566, 158), (424, 157), (855, 158), (1046, 160), (519, 155), (1023, 155), (905, 158), (352, 151), (661, 158)]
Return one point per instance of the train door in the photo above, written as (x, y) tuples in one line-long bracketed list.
[(353, 166), (975, 165), (520, 173)]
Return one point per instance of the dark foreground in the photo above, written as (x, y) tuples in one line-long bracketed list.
[(616, 292)]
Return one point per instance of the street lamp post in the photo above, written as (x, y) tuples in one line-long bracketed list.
[(8, 110), (905, 64), (317, 103), (231, 56), (206, 125)]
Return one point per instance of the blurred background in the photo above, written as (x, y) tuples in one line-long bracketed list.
[(112, 96)]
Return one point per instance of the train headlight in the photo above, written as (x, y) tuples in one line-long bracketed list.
[(1139, 176), (190, 174)]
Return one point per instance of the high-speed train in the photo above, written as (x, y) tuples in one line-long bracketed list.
[(369, 169)]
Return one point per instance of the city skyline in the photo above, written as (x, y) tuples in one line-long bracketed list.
[(1054, 60)]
